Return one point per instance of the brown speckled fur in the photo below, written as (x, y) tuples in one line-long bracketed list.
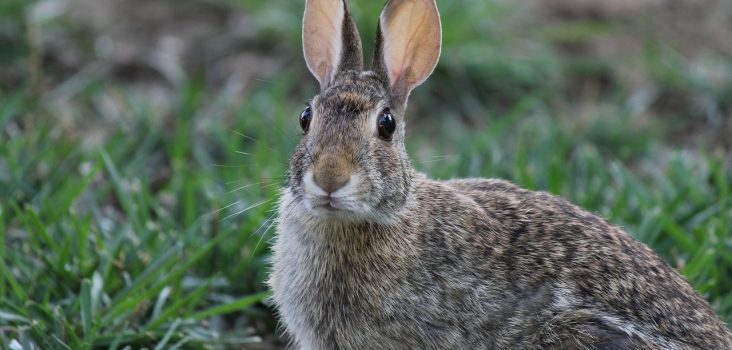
[(459, 264)]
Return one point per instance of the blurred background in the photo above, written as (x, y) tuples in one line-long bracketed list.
[(142, 145)]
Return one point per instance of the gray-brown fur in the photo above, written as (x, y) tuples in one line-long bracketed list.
[(408, 262)]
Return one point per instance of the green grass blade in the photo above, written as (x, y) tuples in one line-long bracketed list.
[(681, 238), (157, 267), (163, 342), (236, 305), (179, 305), (160, 302), (3, 292), (85, 303), (8, 275), (124, 197), (10, 317)]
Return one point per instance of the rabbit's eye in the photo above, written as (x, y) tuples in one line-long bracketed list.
[(305, 120), (386, 125)]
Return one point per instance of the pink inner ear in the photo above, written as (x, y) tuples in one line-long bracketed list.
[(394, 77), (322, 37), (399, 70), (323, 69), (411, 34)]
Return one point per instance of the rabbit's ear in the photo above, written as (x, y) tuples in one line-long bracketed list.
[(408, 44), (330, 40)]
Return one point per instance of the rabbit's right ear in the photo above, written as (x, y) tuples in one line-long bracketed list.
[(407, 44), (330, 40)]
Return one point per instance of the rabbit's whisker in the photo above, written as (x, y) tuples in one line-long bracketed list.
[(223, 208), (245, 186), (248, 208), (250, 185), (227, 166), (435, 159), (254, 140), (264, 234), (278, 178)]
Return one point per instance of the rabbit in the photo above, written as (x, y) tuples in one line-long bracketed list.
[(371, 254)]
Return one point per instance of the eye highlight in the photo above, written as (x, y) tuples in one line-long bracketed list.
[(386, 124), (305, 117)]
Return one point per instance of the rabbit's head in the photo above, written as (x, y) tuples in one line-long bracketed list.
[(351, 163)]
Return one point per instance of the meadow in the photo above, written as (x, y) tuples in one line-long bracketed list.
[(142, 148)]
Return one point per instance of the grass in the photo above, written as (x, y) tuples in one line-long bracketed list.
[(148, 226)]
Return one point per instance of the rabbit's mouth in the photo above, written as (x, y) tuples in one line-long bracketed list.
[(329, 204), (336, 207)]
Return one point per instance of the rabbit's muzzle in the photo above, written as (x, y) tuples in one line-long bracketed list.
[(331, 186)]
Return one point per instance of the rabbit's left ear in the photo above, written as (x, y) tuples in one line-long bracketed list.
[(330, 40), (408, 44)]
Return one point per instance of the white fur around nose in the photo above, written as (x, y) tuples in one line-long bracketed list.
[(349, 189), (310, 186)]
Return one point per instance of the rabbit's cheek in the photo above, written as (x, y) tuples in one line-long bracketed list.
[(298, 166)]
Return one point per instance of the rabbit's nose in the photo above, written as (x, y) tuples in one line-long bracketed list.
[(330, 173), (331, 182)]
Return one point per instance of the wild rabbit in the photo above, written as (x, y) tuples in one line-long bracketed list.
[(371, 254)]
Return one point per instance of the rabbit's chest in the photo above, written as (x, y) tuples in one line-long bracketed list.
[(335, 300), (328, 282), (343, 306)]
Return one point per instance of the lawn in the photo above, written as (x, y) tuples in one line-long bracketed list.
[(138, 191)]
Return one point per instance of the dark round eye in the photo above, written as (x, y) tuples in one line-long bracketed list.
[(386, 124), (305, 120)]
